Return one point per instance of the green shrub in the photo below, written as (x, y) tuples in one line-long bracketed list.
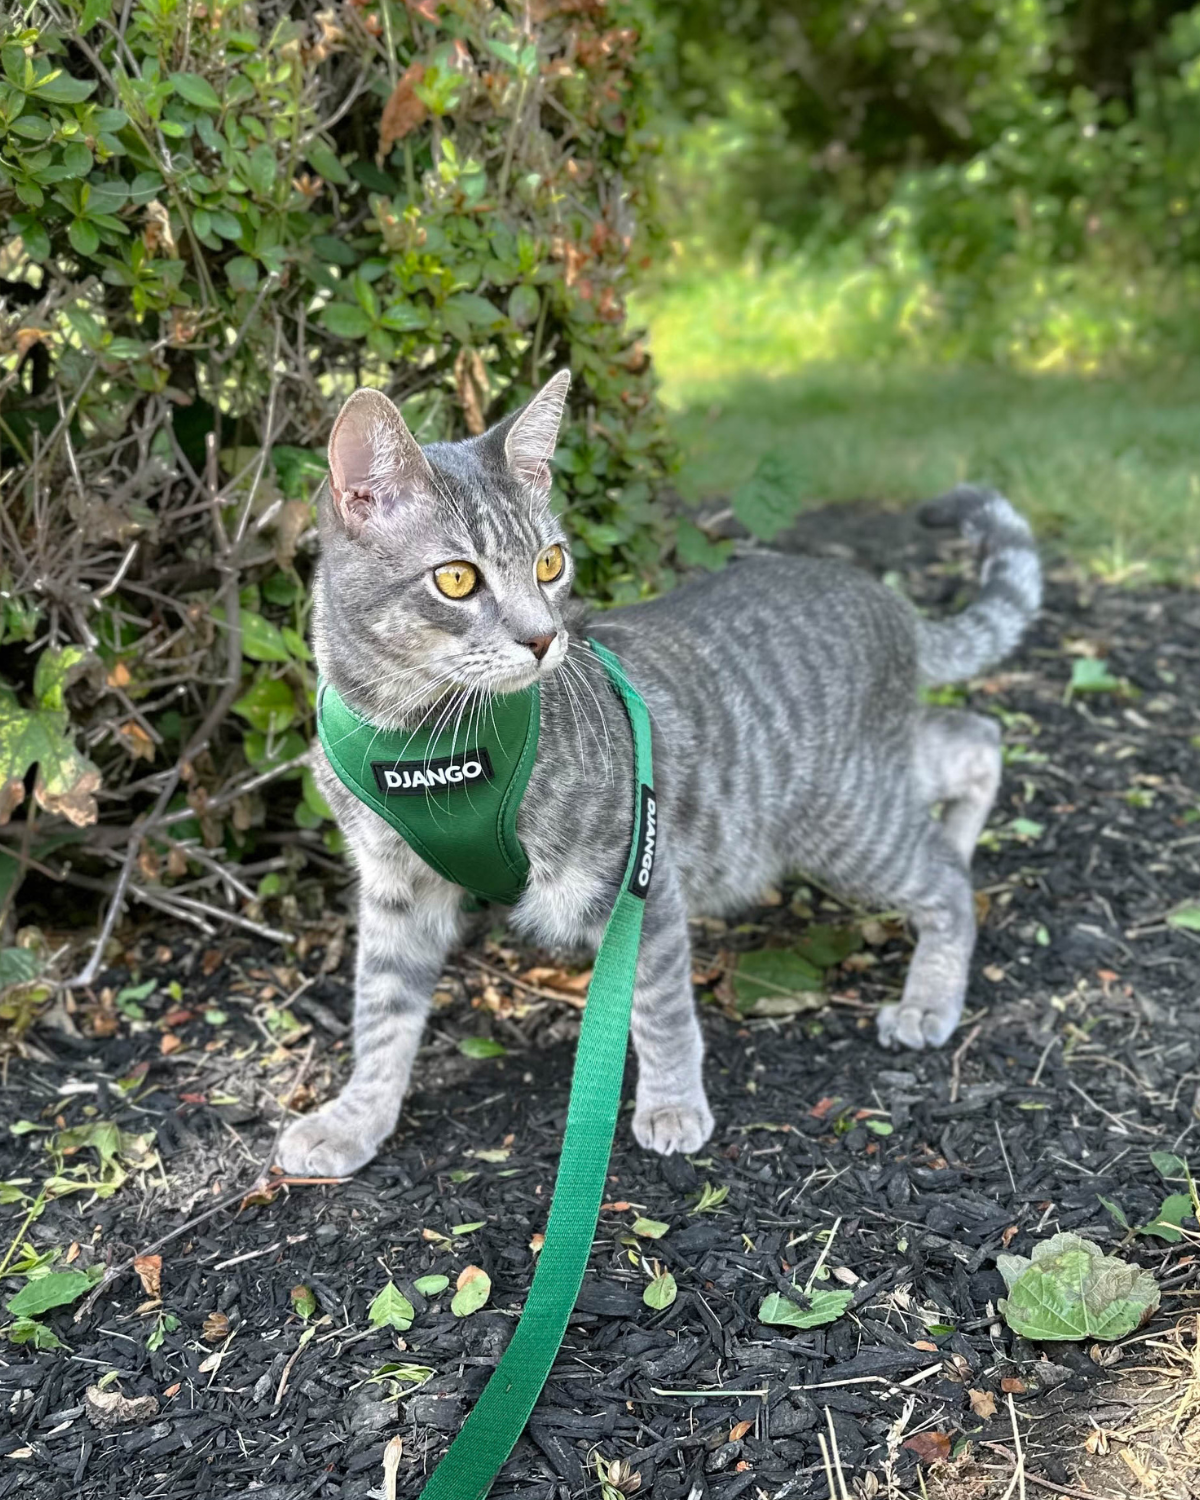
[(219, 219)]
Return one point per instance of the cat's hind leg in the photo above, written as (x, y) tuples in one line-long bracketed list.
[(934, 892), (958, 763), (672, 1112)]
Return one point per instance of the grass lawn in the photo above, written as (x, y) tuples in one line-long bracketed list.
[(756, 363)]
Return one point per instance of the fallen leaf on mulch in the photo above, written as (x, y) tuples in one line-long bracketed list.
[(474, 1288), (111, 1409), (392, 1454), (930, 1447), (983, 1403), (739, 1430), (216, 1326), (558, 979), (149, 1273), (403, 112), (1012, 1386)]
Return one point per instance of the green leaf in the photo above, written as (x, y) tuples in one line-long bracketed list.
[(660, 1292), (345, 320), (1090, 674), (769, 500), (296, 644), (77, 161), (56, 669), (1168, 1165), (391, 1309), (524, 304), (30, 1331), (305, 1303), (242, 273), (710, 1198), (33, 127), (61, 88), (477, 310), (1116, 1210), (1186, 917), (696, 550), (482, 1046), (1165, 1224), (56, 1289), (66, 781), (260, 169), (472, 1294), (650, 1229), (879, 1127), (269, 706), (325, 163), (772, 981), (261, 641), (93, 11), (18, 966), (84, 237), (462, 1229), (825, 946), (196, 90), (431, 1286), (33, 236), (1070, 1289), (823, 1307)]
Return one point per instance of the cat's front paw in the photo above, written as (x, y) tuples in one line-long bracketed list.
[(670, 1128), (325, 1144), (918, 1024)]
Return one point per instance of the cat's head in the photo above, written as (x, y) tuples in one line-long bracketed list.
[(443, 567)]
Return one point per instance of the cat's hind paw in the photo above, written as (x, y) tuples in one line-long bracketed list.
[(325, 1144), (670, 1128)]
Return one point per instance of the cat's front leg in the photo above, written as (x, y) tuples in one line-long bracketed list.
[(672, 1112), (402, 944)]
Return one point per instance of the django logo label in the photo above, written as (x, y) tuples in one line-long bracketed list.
[(643, 865), (416, 778)]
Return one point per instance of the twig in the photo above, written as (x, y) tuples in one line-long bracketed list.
[(957, 1058), (1004, 1154), (1125, 1126)]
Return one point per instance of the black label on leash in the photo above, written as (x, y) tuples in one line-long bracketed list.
[(647, 835), (416, 778)]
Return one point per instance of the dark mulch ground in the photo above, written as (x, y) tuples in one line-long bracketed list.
[(1084, 1060)]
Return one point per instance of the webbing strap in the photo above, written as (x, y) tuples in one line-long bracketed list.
[(499, 1416)]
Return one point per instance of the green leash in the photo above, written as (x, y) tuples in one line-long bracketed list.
[(456, 817)]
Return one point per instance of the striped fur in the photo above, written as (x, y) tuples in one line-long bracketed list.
[(788, 736)]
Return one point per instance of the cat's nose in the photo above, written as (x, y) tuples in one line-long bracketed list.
[(540, 644)]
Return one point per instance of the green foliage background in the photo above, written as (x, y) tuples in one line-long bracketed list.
[(218, 219), (1027, 172)]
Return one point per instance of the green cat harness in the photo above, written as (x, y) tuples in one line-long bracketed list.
[(456, 806)]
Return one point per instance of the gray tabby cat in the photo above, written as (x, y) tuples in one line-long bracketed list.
[(788, 736)]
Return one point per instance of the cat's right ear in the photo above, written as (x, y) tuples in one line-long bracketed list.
[(375, 463)]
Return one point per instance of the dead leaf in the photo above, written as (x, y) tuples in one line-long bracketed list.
[(292, 520), (1011, 1386), (260, 1195), (173, 1390), (930, 1447), (169, 1043), (536, 1243), (471, 383), (149, 1273), (109, 1408), (177, 864), (392, 1454), (925, 1346), (211, 962), (77, 804), (136, 740), (402, 113), (983, 1403), (739, 1431), (427, 9), (1009, 1235), (12, 794), (822, 1107), (157, 234), (215, 1328), (27, 337), (558, 979), (468, 1273)]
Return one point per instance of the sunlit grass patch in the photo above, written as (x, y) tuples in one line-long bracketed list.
[(840, 378)]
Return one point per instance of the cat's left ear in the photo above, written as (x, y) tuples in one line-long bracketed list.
[(530, 442)]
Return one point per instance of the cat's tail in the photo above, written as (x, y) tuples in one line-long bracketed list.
[(1010, 593)]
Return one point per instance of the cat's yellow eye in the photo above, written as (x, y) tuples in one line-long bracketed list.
[(456, 580), (550, 564)]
